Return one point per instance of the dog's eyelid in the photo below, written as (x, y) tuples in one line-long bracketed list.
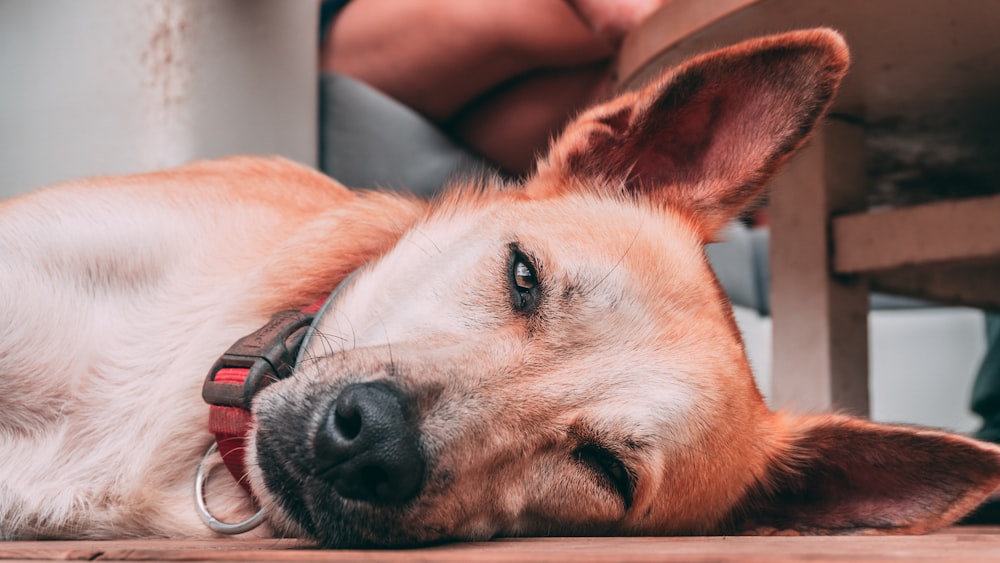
[(610, 467)]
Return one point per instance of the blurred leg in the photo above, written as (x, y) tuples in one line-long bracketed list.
[(436, 56), (513, 124)]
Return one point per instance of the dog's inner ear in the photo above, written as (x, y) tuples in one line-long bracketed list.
[(847, 476), (706, 137)]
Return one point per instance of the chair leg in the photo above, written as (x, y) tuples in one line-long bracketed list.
[(820, 355)]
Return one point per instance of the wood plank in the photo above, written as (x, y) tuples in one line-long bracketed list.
[(941, 232), (970, 285), (820, 356), (666, 27), (86, 550), (958, 543)]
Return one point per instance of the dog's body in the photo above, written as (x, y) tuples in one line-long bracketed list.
[(554, 358)]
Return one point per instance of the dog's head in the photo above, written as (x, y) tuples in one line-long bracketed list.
[(557, 358)]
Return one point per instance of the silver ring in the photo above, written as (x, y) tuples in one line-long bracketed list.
[(211, 521)]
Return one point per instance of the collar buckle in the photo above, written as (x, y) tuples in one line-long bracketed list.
[(264, 356)]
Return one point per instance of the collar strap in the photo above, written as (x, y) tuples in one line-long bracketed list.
[(248, 366)]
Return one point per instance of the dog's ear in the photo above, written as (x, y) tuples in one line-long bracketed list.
[(844, 475), (705, 137)]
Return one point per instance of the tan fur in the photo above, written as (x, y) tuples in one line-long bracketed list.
[(119, 293)]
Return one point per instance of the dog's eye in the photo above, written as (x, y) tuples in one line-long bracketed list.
[(608, 470), (524, 282)]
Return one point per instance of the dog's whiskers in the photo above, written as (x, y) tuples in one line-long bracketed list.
[(330, 344), (417, 231), (621, 259), (328, 348), (388, 343)]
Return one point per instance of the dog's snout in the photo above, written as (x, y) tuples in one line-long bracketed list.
[(367, 449)]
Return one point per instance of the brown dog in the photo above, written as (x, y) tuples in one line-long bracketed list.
[(551, 358)]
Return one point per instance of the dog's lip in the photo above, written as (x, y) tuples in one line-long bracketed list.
[(334, 522), (286, 474), (275, 477)]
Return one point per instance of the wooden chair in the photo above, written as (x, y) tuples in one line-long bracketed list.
[(896, 193)]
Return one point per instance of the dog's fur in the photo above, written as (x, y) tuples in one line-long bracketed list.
[(565, 359)]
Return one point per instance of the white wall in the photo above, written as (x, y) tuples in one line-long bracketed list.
[(922, 363), (116, 86)]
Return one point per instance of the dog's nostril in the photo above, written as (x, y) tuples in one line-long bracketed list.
[(367, 449), (347, 420)]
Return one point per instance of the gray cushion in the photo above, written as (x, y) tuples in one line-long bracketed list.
[(370, 140)]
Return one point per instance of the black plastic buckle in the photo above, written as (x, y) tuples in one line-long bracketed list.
[(268, 353)]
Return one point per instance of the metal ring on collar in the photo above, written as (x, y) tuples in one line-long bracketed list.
[(211, 521)]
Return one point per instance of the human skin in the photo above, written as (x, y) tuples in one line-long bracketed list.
[(501, 76)]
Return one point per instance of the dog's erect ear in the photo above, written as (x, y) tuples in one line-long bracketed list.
[(705, 137), (844, 475)]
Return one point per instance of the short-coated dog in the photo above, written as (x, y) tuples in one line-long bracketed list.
[(552, 357)]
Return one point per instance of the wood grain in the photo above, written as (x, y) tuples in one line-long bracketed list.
[(820, 349), (943, 232), (966, 543)]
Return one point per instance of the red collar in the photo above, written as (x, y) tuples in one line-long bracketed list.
[(251, 364)]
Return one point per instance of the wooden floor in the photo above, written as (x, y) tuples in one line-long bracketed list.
[(966, 543)]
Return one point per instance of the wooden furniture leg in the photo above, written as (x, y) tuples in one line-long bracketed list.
[(820, 356)]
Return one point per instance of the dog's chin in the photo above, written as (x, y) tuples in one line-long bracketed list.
[(306, 506)]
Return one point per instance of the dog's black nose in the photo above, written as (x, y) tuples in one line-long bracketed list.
[(367, 449)]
